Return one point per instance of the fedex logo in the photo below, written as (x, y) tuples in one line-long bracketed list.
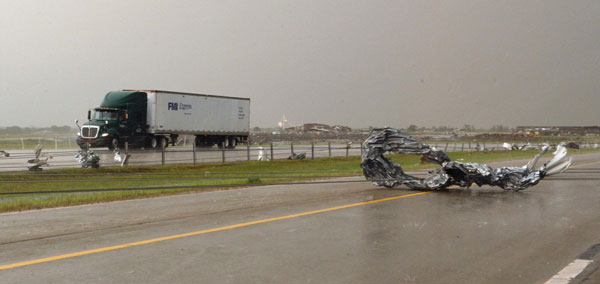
[(173, 106)]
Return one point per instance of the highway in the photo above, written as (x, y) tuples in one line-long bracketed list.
[(347, 232)]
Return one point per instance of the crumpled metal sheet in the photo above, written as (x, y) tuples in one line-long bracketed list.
[(41, 159), (121, 158), (295, 156), (572, 145), (87, 158), (384, 172)]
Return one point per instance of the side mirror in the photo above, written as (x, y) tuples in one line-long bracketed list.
[(77, 123), (89, 114)]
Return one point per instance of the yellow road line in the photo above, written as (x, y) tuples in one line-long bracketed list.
[(172, 237)]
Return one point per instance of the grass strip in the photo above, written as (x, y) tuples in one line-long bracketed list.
[(178, 179)]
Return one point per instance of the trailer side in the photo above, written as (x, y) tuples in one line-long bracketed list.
[(196, 114)]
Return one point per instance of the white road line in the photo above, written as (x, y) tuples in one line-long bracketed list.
[(569, 272)]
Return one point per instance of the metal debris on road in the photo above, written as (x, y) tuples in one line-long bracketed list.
[(121, 158), (41, 159), (295, 156), (87, 158), (261, 154), (384, 172), (571, 145)]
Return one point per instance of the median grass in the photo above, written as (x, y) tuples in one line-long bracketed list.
[(151, 181)]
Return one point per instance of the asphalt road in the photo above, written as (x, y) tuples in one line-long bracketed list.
[(336, 233)]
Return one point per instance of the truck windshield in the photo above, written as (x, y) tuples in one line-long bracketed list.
[(105, 115)]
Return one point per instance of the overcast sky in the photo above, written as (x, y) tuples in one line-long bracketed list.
[(356, 63)]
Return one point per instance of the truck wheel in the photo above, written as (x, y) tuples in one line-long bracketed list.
[(163, 142), (224, 143), (114, 143), (153, 143), (232, 142)]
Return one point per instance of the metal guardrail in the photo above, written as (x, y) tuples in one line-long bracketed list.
[(188, 154)]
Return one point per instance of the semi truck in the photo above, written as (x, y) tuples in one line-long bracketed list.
[(154, 118)]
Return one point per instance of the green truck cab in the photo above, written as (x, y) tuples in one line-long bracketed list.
[(121, 117)]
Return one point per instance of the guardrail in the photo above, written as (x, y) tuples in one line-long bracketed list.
[(186, 153)]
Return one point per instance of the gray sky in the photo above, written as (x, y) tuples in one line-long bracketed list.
[(357, 63)]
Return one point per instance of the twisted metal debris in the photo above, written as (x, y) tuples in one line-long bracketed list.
[(41, 159), (295, 156), (121, 158), (87, 158), (384, 172)]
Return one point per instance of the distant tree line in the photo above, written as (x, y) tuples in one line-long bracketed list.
[(33, 130)]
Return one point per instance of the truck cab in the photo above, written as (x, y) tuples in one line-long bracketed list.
[(120, 117)]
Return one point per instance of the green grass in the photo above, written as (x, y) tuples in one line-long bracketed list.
[(214, 175)]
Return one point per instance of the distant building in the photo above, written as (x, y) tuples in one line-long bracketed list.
[(341, 128), (318, 128)]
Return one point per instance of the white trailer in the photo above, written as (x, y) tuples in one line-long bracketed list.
[(220, 120)]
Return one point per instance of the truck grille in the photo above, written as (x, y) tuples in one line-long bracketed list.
[(89, 131)]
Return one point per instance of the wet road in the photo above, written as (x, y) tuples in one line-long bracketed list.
[(336, 233)]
